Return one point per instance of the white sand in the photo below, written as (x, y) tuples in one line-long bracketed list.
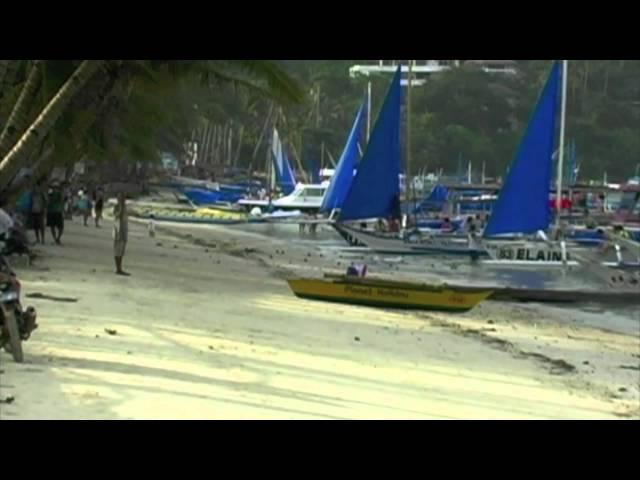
[(212, 335)]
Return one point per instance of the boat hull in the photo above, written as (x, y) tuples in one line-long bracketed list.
[(397, 246), (388, 294)]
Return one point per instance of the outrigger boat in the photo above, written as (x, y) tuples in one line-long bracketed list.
[(387, 293), (390, 244), (306, 198)]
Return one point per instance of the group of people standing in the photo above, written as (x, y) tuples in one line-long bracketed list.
[(49, 205), (86, 204)]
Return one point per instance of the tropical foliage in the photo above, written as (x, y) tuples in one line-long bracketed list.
[(55, 113), (123, 112)]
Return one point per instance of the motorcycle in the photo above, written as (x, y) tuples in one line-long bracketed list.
[(16, 324)]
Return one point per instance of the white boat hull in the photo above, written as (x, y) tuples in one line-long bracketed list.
[(305, 197)]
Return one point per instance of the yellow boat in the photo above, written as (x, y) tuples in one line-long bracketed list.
[(387, 293)]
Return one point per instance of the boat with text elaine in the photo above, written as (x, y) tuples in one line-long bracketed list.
[(388, 293)]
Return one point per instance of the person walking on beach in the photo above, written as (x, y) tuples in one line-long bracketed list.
[(38, 209), (152, 226), (55, 212), (23, 208), (6, 222), (120, 232), (68, 201), (98, 202), (84, 205)]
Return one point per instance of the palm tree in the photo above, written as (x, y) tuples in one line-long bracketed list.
[(137, 93), (14, 159), (19, 118)]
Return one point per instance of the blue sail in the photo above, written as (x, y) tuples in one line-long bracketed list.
[(435, 200), (314, 170), (440, 193), (523, 203), (375, 189), (288, 180), (343, 175), (282, 169)]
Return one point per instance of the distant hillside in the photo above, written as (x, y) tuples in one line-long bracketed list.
[(461, 115)]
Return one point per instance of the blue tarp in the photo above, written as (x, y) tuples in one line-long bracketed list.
[(201, 196), (523, 202), (375, 190)]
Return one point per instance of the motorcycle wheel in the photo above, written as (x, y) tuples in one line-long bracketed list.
[(15, 342)]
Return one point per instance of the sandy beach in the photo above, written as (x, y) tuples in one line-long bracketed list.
[(206, 328)]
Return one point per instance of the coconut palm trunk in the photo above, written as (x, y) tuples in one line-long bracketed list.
[(14, 160), (19, 118), (3, 69), (237, 155), (8, 73)]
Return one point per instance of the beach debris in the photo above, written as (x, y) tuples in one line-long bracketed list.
[(622, 389), (129, 352), (158, 244), (559, 366), (111, 331), (1, 372), (93, 270), (8, 399), (211, 347), (248, 250), (206, 250), (357, 339), (305, 260), (490, 322), (43, 296), (630, 367), (586, 362)]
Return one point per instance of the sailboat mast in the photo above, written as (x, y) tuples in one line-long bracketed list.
[(368, 110), (269, 169), (408, 172), (563, 114)]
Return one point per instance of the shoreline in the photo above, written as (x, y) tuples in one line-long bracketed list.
[(207, 328)]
